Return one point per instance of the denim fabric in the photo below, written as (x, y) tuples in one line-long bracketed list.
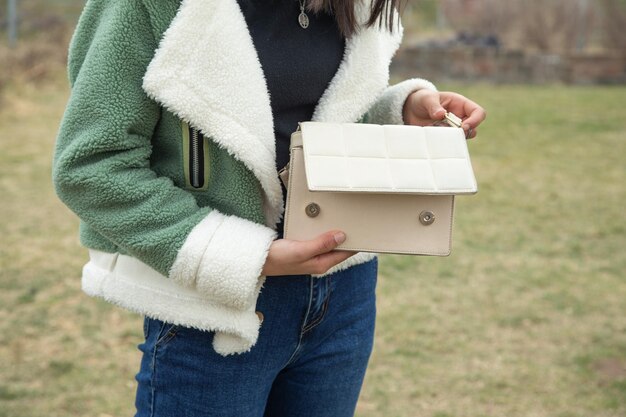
[(310, 358)]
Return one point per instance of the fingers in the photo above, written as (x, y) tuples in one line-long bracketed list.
[(318, 255), (322, 263), (322, 244), (476, 115), (471, 133), (471, 113)]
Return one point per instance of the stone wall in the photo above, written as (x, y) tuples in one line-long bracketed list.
[(477, 63)]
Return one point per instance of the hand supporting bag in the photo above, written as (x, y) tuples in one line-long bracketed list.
[(390, 188)]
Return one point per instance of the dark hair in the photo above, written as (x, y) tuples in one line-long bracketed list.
[(344, 12)]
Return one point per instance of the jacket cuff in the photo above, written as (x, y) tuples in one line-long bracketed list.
[(388, 108), (222, 258)]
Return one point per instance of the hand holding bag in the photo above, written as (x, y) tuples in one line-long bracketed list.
[(390, 188)]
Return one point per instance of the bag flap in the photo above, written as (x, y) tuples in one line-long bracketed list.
[(386, 158)]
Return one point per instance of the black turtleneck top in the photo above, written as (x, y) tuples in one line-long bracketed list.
[(298, 63)]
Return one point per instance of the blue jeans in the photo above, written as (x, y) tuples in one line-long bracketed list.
[(310, 358)]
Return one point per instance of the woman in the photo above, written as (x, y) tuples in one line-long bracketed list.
[(168, 151)]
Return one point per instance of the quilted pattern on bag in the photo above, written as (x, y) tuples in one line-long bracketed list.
[(386, 158)]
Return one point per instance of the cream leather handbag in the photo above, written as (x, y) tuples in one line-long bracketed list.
[(390, 188)]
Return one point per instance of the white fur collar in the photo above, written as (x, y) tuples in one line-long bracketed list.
[(207, 72)]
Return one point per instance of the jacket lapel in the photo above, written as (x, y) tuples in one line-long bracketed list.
[(207, 72)]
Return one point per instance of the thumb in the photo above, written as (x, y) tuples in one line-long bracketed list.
[(432, 104), (323, 243)]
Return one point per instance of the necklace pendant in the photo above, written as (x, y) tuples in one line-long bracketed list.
[(303, 19)]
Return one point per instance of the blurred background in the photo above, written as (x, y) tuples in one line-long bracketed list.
[(527, 317)]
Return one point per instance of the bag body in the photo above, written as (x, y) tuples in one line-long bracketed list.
[(390, 188)]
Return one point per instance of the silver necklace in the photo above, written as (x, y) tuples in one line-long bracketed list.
[(303, 19)]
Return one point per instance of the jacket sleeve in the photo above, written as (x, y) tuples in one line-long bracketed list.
[(388, 107), (101, 167)]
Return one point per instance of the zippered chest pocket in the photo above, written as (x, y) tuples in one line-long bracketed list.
[(196, 160)]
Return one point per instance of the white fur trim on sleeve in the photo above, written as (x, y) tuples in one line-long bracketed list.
[(223, 257), (388, 108)]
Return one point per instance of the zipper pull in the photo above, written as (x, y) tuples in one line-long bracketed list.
[(453, 120), (450, 119)]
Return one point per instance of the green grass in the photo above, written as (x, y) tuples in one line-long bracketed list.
[(527, 317)]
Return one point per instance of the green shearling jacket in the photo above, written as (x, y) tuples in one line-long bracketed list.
[(166, 154)]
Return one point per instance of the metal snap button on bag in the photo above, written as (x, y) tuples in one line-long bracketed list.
[(312, 210), (427, 217), (372, 180)]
